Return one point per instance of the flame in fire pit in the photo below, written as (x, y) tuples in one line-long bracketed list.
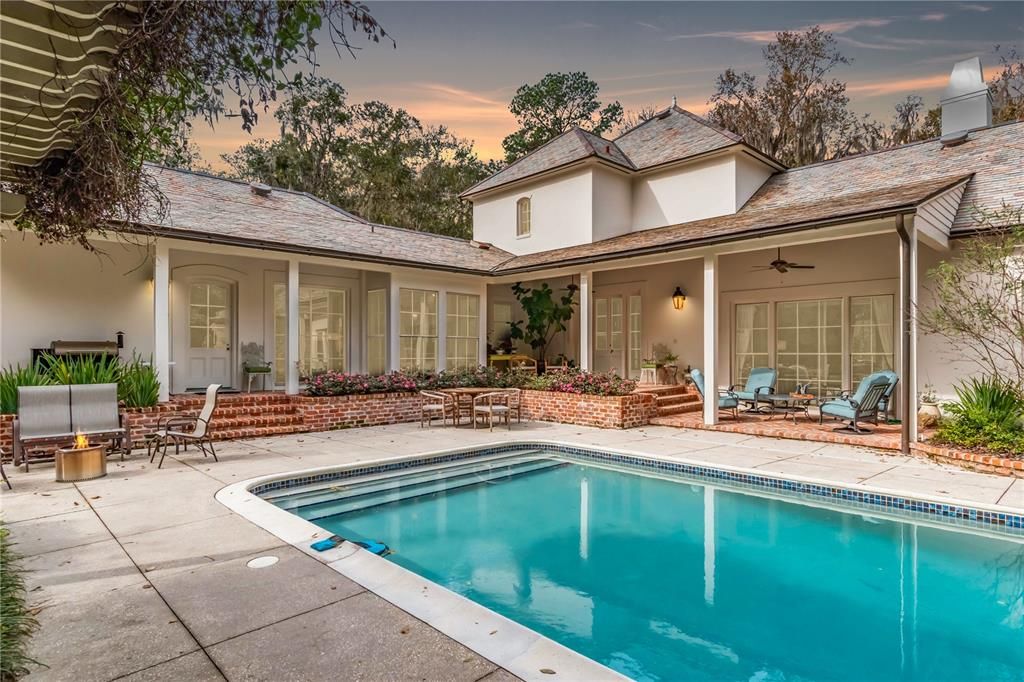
[(81, 442)]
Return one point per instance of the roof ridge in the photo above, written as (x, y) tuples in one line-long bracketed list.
[(517, 161), (704, 122)]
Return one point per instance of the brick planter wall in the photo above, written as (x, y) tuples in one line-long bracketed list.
[(971, 460), (267, 414), (606, 412)]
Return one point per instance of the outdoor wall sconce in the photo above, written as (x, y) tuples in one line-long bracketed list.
[(678, 299)]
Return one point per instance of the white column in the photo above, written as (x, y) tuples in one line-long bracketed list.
[(394, 346), (484, 312), (586, 279), (292, 381), (912, 381), (162, 317), (711, 339), (442, 329)]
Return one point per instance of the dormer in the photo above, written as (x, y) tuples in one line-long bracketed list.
[(580, 188)]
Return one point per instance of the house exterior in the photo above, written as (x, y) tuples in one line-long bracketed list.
[(673, 203)]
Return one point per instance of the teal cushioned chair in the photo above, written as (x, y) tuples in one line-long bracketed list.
[(885, 404), (861, 406), (760, 382), (727, 400)]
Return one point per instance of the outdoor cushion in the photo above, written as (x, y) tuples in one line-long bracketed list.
[(760, 381), (866, 399), (729, 400)]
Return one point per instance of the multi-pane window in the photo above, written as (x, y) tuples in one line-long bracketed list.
[(376, 331), (809, 345), (323, 322), (871, 336), (417, 329), (751, 342), (462, 342), (635, 348), (615, 323), (601, 324), (523, 217), (208, 315)]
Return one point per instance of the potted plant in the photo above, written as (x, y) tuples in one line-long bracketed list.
[(928, 411), (668, 360), (503, 342), (546, 315)]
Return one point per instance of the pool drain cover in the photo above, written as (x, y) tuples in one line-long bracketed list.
[(262, 562)]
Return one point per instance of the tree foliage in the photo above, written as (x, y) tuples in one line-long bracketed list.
[(978, 296), (371, 159), (177, 60), (557, 103)]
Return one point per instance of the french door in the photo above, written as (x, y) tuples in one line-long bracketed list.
[(618, 334), (210, 325)]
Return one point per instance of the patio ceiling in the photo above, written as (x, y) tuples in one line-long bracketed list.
[(52, 55)]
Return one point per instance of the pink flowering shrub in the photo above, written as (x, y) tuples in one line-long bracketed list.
[(330, 383)]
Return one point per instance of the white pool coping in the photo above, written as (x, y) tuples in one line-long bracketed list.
[(514, 647)]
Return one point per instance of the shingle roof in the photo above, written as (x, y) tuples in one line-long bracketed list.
[(672, 135), (877, 181), (202, 207), (571, 146)]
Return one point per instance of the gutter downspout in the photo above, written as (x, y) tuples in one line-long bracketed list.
[(906, 284)]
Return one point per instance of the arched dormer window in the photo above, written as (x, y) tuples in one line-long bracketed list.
[(523, 217)]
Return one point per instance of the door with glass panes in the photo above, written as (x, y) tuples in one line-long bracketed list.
[(618, 331)]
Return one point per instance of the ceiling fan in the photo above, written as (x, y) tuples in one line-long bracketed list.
[(783, 265)]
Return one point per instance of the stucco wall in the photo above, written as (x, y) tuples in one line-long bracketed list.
[(613, 203), (750, 175), (53, 292), (561, 213), (698, 190)]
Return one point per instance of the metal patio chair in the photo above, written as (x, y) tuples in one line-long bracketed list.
[(176, 430), (727, 400), (760, 381), (861, 406)]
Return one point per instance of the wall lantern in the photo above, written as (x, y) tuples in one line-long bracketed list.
[(678, 299)]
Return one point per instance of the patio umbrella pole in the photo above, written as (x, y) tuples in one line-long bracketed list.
[(905, 303)]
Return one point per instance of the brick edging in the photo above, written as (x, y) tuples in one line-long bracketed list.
[(971, 460)]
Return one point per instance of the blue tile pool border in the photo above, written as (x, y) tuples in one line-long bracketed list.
[(898, 503)]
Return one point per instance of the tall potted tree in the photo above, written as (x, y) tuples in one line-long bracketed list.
[(547, 313)]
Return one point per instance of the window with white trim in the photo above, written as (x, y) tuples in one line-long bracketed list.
[(417, 329), (809, 345), (523, 217), (376, 331), (462, 331), (871, 336)]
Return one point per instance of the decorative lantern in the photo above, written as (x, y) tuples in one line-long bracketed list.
[(678, 299)]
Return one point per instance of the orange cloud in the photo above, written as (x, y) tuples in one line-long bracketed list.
[(905, 85)]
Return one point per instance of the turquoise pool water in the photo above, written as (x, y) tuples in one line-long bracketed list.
[(662, 578)]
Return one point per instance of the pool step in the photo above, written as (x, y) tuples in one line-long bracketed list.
[(342, 498)]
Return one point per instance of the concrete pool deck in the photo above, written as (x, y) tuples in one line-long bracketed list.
[(142, 574)]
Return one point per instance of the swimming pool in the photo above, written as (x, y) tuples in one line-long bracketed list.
[(663, 576)]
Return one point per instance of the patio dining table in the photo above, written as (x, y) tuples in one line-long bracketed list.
[(464, 396)]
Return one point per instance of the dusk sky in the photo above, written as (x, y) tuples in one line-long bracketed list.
[(459, 63)]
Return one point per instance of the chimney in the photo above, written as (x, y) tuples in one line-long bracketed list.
[(966, 101)]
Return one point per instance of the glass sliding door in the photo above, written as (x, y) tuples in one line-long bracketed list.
[(809, 345), (871, 336), (750, 349)]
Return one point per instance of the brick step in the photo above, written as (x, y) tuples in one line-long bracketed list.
[(233, 399), (676, 399), (680, 408), (232, 411), (682, 419), (256, 421), (257, 432), (657, 390)]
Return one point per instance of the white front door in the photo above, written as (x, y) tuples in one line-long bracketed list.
[(210, 324), (609, 355)]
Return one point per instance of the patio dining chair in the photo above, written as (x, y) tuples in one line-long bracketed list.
[(761, 381), (182, 430), (727, 400), (436, 405), (861, 406), (487, 406)]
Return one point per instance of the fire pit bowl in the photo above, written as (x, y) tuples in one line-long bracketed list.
[(80, 463)]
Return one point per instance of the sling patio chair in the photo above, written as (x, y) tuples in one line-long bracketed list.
[(861, 406), (727, 400), (761, 381), (436, 404), (177, 430)]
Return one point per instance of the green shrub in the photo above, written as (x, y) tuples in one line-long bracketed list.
[(13, 377), (138, 385), (105, 369), (16, 623), (988, 414)]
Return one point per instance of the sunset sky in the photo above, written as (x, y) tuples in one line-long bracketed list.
[(459, 63)]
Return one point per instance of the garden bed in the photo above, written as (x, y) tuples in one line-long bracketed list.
[(975, 460)]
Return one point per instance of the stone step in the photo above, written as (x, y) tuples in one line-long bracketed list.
[(658, 389), (234, 399)]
